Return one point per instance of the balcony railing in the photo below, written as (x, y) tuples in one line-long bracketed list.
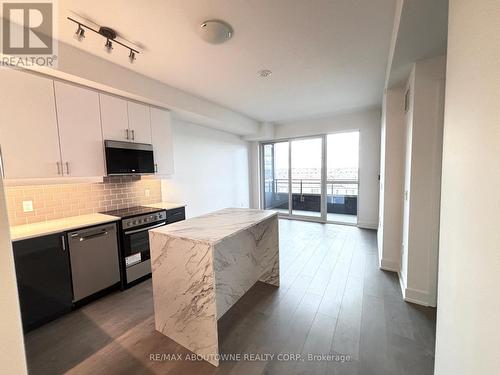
[(341, 195), (312, 186)]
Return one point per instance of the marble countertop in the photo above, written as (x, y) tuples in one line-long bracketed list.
[(165, 205), (22, 232), (215, 226)]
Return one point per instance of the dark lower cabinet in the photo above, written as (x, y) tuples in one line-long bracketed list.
[(43, 279), (176, 214)]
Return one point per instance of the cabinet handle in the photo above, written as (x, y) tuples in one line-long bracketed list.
[(156, 168), (67, 168), (133, 134), (63, 242), (58, 168), (1, 163), (126, 134)]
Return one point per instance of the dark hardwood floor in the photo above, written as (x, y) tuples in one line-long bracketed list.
[(333, 299)]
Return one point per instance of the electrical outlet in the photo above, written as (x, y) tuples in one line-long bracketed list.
[(146, 192), (27, 206)]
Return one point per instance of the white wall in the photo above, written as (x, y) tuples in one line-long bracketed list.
[(81, 67), (422, 238), (12, 355), (468, 328), (211, 169), (391, 179), (368, 124)]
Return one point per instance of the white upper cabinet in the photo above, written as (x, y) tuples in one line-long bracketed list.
[(114, 118), (28, 128), (139, 123), (161, 130), (79, 131)]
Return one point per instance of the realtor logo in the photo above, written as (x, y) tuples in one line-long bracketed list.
[(28, 33)]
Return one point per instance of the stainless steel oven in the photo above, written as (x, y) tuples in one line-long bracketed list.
[(136, 256)]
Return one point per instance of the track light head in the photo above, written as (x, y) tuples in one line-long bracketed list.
[(80, 33), (131, 56), (108, 45)]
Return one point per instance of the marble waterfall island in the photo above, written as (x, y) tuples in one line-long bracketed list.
[(203, 265)]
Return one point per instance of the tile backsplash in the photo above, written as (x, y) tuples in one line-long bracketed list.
[(64, 200)]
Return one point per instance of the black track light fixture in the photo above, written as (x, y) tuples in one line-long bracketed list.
[(108, 45), (131, 56), (80, 33), (106, 32)]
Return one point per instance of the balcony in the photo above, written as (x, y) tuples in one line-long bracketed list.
[(341, 198)]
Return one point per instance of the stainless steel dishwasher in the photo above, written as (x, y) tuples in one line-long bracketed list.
[(93, 254)]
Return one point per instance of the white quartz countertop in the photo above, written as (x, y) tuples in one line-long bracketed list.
[(22, 232), (215, 226), (165, 205)]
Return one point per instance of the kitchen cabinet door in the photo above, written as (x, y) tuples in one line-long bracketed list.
[(114, 118), (28, 128), (43, 279), (161, 130), (80, 134), (139, 123)]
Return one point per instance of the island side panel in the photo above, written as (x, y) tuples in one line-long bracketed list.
[(268, 251), (243, 259), (184, 293)]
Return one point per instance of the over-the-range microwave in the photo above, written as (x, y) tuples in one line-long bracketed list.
[(127, 158)]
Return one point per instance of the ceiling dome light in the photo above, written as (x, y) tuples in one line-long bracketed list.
[(215, 32), (264, 73)]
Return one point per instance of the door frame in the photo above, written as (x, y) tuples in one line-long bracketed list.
[(291, 215), (323, 218)]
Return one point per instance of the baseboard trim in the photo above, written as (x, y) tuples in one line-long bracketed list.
[(389, 265), (366, 225), (419, 297)]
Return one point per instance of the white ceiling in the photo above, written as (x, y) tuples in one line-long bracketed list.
[(418, 40), (326, 55)]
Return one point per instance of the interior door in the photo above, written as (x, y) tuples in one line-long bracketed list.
[(307, 180), (80, 132), (407, 184), (28, 127), (139, 122)]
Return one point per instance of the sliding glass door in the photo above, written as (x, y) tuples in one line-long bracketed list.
[(313, 178), (275, 176), (306, 171), (342, 155), (292, 175)]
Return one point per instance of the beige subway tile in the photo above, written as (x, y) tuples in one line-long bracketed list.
[(35, 219), (18, 221), (55, 215)]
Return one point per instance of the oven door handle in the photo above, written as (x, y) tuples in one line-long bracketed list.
[(143, 229)]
